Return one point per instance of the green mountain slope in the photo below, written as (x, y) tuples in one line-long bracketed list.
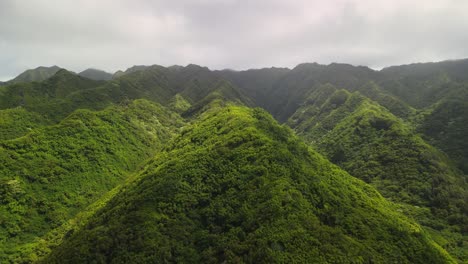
[(66, 92), (444, 125), (257, 84), (48, 98), (16, 122), (365, 121), (52, 173), (423, 84), (36, 75), (283, 91), (237, 187), (369, 142)]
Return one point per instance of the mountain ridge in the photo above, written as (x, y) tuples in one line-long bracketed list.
[(402, 133)]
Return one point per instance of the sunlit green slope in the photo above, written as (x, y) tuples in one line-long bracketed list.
[(372, 144), (52, 173), (237, 187)]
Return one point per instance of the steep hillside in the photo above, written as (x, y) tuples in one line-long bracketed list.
[(48, 98), (237, 187), (283, 91), (369, 142), (423, 84), (50, 174), (65, 92), (444, 125), (257, 84), (16, 122), (224, 94)]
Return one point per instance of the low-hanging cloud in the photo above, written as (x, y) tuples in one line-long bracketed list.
[(116, 34)]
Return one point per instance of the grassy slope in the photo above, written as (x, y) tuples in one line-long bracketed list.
[(52, 173), (236, 186)]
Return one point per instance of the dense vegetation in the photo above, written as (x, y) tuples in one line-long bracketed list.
[(82, 175), (52, 173), (237, 187), (445, 125), (369, 142)]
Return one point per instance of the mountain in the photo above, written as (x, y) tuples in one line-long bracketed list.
[(257, 84), (49, 98), (369, 142), (439, 91), (423, 84), (18, 121), (50, 174), (86, 158), (238, 187), (444, 125), (134, 68), (406, 91), (36, 75), (95, 74)]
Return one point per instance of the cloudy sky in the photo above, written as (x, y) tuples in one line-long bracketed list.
[(116, 34)]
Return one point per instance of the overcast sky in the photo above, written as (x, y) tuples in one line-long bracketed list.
[(116, 34)]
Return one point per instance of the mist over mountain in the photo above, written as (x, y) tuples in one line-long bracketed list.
[(315, 164)]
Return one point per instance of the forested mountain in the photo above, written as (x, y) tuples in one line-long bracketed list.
[(174, 164), (95, 74), (237, 187), (36, 75)]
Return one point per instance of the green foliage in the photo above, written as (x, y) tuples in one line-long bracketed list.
[(53, 172), (424, 84), (50, 98), (179, 104), (235, 186), (445, 126), (238, 187), (16, 122), (379, 148)]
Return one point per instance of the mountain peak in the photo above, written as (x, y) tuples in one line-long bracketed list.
[(96, 74), (38, 74)]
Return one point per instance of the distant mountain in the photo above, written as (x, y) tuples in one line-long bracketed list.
[(281, 91), (50, 97), (117, 74), (95, 74), (456, 69), (445, 124), (36, 75), (423, 84), (135, 68)]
